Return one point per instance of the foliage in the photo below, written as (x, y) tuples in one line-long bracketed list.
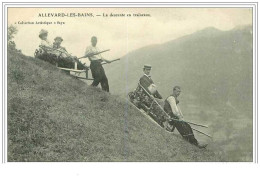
[(12, 31)]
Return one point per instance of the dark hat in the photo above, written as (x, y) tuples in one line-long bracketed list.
[(58, 38), (147, 66)]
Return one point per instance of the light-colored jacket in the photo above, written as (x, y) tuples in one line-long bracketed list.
[(46, 43)]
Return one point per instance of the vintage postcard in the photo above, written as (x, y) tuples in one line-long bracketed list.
[(130, 84)]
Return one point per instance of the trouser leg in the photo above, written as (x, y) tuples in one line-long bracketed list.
[(104, 80), (185, 130), (95, 71), (190, 136)]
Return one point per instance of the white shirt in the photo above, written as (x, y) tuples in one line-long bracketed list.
[(91, 49), (175, 108), (46, 43)]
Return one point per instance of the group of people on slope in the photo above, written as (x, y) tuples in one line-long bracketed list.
[(55, 47), (171, 107), (97, 70)]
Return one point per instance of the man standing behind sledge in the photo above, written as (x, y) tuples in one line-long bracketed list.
[(171, 107), (97, 70), (147, 82)]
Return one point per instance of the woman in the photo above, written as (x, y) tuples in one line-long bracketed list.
[(44, 41)]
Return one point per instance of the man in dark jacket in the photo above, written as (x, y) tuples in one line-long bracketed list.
[(147, 82), (173, 110)]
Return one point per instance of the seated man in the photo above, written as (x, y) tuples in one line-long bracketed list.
[(147, 97), (64, 59), (147, 82), (173, 110), (146, 90), (57, 44)]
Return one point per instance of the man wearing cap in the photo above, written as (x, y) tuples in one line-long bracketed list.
[(147, 82), (57, 44), (44, 41), (61, 51), (97, 70), (65, 60), (172, 108)]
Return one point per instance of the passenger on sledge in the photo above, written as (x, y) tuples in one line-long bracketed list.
[(146, 85), (147, 97), (45, 51), (147, 82), (65, 60), (56, 54)]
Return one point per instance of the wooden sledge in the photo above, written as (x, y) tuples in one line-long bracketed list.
[(168, 116)]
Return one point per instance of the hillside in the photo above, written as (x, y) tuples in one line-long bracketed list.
[(215, 70), (212, 66), (55, 117)]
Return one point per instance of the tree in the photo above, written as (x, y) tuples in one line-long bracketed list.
[(12, 30)]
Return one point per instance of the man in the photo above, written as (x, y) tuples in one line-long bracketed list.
[(65, 60), (57, 44), (173, 110), (147, 82), (97, 70)]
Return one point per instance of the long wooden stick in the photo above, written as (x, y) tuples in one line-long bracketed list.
[(72, 70), (169, 116), (196, 124), (86, 56), (202, 132), (110, 61)]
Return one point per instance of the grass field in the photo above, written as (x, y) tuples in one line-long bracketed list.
[(55, 117)]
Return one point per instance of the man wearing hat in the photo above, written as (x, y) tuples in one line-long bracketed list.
[(44, 41), (57, 44), (97, 70), (172, 108), (147, 82), (65, 60)]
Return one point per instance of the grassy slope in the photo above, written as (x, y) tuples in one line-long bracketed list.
[(54, 117)]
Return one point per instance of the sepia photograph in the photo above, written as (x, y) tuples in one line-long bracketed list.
[(130, 84)]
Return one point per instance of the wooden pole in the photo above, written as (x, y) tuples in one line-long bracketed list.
[(201, 132), (86, 56), (110, 61), (197, 124)]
